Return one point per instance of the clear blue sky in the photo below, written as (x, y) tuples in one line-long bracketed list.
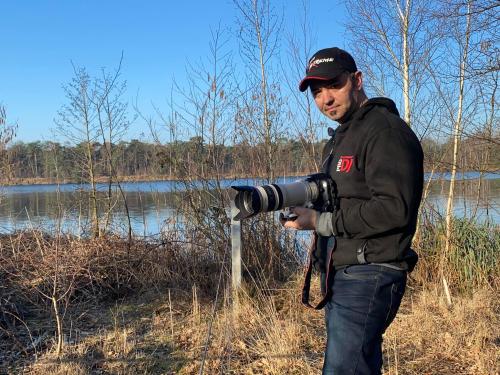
[(40, 38)]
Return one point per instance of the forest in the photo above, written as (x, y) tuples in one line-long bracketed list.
[(51, 162)]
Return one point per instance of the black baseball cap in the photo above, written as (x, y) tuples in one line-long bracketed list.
[(327, 64)]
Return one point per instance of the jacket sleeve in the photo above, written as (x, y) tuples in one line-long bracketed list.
[(394, 174)]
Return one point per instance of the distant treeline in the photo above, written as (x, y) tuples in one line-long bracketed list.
[(55, 161)]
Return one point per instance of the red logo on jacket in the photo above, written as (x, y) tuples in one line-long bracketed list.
[(345, 164)]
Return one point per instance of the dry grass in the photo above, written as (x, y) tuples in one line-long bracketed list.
[(125, 338), (269, 334), (274, 334), (82, 276), (147, 309), (428, 337)]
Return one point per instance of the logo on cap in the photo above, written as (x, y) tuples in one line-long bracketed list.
[(315, 62)]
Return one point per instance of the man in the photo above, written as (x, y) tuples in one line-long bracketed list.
[(376, 162)]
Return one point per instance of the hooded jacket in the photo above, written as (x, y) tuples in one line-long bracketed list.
[(376, 162)]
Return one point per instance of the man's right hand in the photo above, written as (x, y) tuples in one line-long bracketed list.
[(306, 219)]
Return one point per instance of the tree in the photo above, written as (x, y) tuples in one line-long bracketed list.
[(463, 41), (96, 111), (206, 114), (462, 91), (77, 122), (260, 110), (393, 44), (301, 116), (7, 134), (113, 124)]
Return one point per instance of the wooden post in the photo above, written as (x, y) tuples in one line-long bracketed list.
[(235, 250)]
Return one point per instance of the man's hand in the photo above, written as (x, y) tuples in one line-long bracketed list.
[(306, 219)]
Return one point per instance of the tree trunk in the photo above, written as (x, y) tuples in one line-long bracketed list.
[(457, 132), (404, 16)]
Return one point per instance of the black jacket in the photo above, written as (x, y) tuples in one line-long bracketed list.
[(376, 162)]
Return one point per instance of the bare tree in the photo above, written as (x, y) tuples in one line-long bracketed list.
[(96, 112), (77, 122), (204, 110), (462, 93), (393, 45), (484, 47), (259, 35), (485, 135), (7, 134), (302, 117), (463, 40), (113, 124)]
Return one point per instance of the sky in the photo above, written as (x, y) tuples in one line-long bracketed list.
[(40, 40)]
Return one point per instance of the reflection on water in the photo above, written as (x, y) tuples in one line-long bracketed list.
[(69, 210), (151, 204), (472, 199)]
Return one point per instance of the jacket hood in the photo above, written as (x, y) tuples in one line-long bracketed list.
[(367, 107), (377, 102)]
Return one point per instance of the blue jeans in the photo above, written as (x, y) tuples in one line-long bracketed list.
[(364, 302)]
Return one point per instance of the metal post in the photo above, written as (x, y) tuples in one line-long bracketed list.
[(235, 249)]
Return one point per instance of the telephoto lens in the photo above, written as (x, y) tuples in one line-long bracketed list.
[(252, 200)]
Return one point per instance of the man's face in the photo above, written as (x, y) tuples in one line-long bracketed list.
[(337, 98)]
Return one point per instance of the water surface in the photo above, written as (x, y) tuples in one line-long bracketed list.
[(153, 204)]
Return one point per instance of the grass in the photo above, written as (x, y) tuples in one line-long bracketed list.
[(274, 334), (147, 308), (473, 261), (428, 337)]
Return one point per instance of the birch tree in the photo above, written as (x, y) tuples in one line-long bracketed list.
[(463, 41), (393, 43), (462, 91)]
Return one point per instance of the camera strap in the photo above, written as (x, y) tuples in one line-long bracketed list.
[(330, 271), (328, 153)]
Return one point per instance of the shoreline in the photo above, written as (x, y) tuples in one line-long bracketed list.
[(490, 175), (104, 180)]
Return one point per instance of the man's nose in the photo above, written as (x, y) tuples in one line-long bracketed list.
[(328, 98)]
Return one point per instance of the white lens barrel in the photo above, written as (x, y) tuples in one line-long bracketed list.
[(263, 198)]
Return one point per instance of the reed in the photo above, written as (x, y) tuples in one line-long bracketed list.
[(473, 261)]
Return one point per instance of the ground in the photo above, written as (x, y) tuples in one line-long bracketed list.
[(173, 331)]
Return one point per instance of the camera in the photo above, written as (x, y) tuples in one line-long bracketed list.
[(317, 191)]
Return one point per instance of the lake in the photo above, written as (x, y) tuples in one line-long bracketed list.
[(153, 204)]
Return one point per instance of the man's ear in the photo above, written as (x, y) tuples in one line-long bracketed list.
[(358, 80)]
